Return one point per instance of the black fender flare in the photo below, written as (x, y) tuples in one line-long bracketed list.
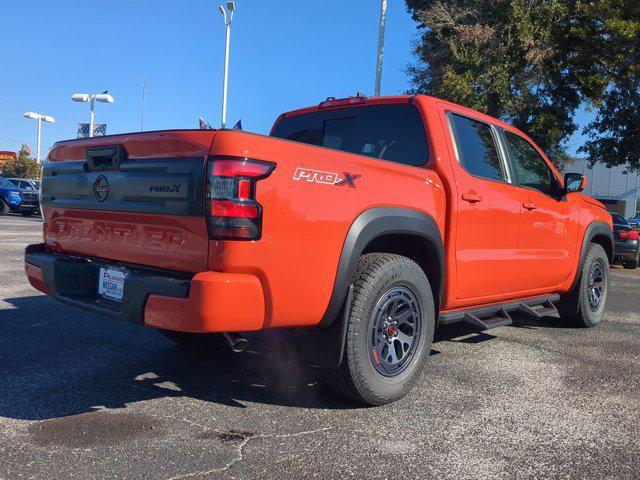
[(594, 229), (369, 225), (324, 344)]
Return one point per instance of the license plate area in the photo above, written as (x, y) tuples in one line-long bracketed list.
[(111, 284)]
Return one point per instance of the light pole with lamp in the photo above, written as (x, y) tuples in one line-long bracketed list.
[(86, 97), (231, 7), (40, 117)]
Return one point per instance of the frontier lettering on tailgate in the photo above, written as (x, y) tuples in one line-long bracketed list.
[(124, 235)]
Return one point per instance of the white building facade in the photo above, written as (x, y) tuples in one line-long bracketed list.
[(617, 188)]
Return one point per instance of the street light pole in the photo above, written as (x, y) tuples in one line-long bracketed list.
[(91, 105), (39, 138), (91, 99), (381, 31), (231, 6), (39, 117)]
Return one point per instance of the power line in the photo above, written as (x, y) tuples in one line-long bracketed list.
[(13, 139), (56, 127), (58, 118)]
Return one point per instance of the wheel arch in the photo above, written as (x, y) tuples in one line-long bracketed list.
[(407, 232), (597, 232)]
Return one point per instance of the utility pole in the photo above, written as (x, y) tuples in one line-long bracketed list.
[(381, 31), (231, 6), (144, 90)]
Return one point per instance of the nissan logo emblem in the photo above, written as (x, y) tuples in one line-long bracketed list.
[(101, 188)]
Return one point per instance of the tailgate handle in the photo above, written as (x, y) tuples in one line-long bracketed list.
[(105, 158)]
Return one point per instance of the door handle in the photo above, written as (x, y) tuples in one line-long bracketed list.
[(529, 205), (471, 197)]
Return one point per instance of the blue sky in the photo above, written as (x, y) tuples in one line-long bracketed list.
[(285, 54)]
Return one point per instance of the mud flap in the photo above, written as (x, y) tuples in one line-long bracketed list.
[(324, 347)]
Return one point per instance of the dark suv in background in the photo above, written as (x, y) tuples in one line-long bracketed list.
[(626, 243)]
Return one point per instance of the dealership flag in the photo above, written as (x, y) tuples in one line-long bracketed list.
[(99, 130), (203, 124)]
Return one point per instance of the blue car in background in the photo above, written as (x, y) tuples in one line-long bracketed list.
[(18, 200), (634, 221)]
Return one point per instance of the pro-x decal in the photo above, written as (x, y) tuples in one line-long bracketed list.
[(326, 178)]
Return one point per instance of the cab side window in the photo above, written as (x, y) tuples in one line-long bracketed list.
[(476, 147), (529, 167)]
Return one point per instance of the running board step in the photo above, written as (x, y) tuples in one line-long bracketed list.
[(498, 315), (501, 318), (539, 311)]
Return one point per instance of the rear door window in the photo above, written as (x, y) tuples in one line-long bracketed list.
[(388, 132), (476, 147)]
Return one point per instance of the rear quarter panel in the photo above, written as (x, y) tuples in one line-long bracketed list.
[(305, 223)]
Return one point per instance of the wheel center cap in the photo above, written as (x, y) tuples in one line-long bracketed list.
[(392, 331)]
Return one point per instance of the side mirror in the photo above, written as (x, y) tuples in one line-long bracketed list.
[(574, 182)]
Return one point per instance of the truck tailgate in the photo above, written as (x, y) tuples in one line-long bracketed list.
[(136, 198)]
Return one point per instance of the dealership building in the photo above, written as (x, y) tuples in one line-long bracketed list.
[(617, 188)]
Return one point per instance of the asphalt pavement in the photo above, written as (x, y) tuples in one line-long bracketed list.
[(87, 397)]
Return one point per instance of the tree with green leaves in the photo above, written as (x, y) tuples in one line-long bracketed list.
[(24, 166), (534, 63)]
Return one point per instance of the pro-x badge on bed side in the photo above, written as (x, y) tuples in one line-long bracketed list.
[(326, 178)]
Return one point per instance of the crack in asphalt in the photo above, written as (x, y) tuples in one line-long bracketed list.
[(240, 449)]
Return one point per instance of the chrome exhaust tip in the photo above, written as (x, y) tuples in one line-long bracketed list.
[(236, 342)]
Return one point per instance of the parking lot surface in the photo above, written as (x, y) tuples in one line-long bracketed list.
[(86, 397)]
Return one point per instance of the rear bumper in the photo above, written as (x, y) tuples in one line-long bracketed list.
[(627, 251), (26, 208), (206, 302)]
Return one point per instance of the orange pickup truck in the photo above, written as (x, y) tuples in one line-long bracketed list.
[(358, 225)]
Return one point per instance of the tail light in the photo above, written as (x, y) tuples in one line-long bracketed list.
[(631, 235), (231, 208)]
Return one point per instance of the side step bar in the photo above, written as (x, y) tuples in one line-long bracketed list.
[(539, 311), (494, 316), (493, 320)]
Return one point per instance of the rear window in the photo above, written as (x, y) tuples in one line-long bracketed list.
[(389, 132)]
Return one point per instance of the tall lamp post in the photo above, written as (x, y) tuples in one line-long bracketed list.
[(40, 117), (91, 98), (231, 7), (383, 21)]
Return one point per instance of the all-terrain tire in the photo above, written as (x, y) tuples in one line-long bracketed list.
[(576, 307), (357, 377), (4, 208)]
